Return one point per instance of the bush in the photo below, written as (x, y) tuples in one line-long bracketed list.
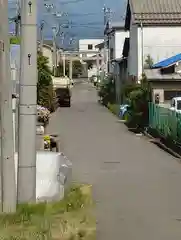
[(107, 91), (138, 97), (15, 40), (45, 92), (114, 108)]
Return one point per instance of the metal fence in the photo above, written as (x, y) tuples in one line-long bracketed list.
[(165, 121)]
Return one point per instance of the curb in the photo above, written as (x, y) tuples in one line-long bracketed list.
[(158, 142)]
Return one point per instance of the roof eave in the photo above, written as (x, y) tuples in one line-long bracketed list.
[(150, 22)]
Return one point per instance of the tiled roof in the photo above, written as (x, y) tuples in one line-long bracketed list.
[(156, 11)]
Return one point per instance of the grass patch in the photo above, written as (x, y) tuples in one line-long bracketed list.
[(70, 219), (114, 108)]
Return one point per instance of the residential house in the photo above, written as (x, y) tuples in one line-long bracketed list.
[(88, 49), (88, 46), (165, 78), (100, 48), (48, 52), (115, 37), (115, 34), (154, 30)]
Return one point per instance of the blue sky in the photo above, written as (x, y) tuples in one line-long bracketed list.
[(86, 16)]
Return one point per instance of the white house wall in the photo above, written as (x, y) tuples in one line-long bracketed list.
[(111, 46), (83, 45), (119, 42), (158, 42), (133, 51)]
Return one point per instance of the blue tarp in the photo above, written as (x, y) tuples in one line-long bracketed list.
[(168, 62)]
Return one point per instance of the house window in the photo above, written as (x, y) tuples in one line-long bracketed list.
[(90, 47), (168, 95)]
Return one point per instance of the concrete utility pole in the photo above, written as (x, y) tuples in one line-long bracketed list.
[(107, 13), (64, 65), (41, 36), (70, 68), (28, 103), (54, 50), (17, 18), (142, 44), (8, 185), (97, 63)]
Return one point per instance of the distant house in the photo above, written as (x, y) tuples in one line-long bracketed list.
[(100, 48), (165, 78), (155, 28), (48, 52), (115, 35), (88, 47)]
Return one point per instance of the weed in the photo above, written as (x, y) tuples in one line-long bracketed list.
[(68, 219)]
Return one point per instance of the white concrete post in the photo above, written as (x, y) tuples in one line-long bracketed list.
[(8, 185), (28, 103)]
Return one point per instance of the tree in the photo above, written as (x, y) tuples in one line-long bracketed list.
[(106, 91), (138, 99), (45, 92), (148, 62), (15, 40), (76, 68)]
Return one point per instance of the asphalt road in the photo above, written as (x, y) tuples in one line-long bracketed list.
[(137, 186)]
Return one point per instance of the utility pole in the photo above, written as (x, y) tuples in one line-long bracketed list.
[(64, 65), (8, 184), (107, 12), (142, 45), (70, 68), (41, 36), (28, 103), (17, 19), (97, 63), (54, 50)]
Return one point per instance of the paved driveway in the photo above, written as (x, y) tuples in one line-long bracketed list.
[(137, 186)]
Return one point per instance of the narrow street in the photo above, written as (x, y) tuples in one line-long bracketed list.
[(136, 185)]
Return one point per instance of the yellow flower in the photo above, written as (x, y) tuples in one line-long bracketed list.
[(47, 138)]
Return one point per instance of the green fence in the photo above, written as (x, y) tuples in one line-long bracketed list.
[(165, 121)]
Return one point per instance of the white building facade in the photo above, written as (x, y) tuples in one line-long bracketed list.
[(152, 32), (89, 45), (116, 35)]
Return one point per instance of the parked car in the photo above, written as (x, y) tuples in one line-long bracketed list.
[(176, 104), (64, 96)]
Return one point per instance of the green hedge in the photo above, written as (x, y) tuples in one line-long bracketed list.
[(15, 40), (114, 108)]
